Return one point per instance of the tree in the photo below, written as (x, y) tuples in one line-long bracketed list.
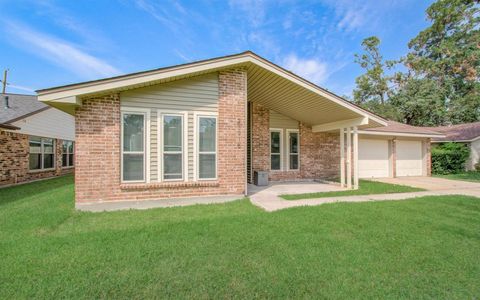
[(373, 85), (448, 52)]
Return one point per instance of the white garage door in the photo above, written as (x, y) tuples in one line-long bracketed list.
[(373, 158), (409, 158)]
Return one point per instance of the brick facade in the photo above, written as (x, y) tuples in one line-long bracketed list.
[(14, 160), (319, 152), (98, 150)]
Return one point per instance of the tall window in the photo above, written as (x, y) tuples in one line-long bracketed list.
[(293, 150), (172, 147), (133, 146), (207, 147), (275, 149), (67, 155), (42, 153)]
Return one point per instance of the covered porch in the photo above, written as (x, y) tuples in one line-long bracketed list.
[(297, 131)]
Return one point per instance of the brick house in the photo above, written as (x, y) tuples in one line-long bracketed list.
[(36, 140), (204, 128)]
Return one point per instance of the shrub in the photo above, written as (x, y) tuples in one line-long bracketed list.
[(449, 158)]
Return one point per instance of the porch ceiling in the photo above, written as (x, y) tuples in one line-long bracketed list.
[(290, 99)]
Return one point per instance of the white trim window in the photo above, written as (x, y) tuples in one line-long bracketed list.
[(134, 145), (293, 149), (173, 132), (42, 153), (276, 152), (68, 150), (206, 146)]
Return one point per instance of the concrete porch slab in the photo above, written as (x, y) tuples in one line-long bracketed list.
[(146, 204)]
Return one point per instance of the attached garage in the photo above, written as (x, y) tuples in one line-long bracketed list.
[(373, 158), (410, 160)]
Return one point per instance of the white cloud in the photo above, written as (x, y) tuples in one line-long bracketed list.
[(253, 10), (309, 68), (59, 52)]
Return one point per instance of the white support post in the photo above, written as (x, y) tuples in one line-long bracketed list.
[(355, 158), (349, 157), (342, 157)]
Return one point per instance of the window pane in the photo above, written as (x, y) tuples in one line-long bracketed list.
[(65, 146), (172, 133), (207, 166), (207, 131), (71, 147), (64, 160), (35, 147), (34, 161), (294, 161), (47, 145), (293, 142), (275, 162), (172, 166), (132, 166), (70, 159), (47, 161), (133, 132), (275, 142)]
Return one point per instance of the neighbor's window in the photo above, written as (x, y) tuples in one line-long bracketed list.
[(293, 145), (133, 146), (207, 147), (42, 153), (67, 155), (172, 147), (275, 149)]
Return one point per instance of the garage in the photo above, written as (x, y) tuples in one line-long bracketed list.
[(409, 158), (373, 158)]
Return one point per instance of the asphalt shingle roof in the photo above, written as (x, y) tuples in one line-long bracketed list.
[(460, 132), (19, 106)]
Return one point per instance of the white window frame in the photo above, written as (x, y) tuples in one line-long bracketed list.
[(160, 114), (197, 116), (146, 146), (42, 154), (279, 130), (288, 148), (68, 154)]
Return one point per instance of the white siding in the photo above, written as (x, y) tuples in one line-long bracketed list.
[(51, 123), (280, 121), (474, 155), (198, 94)]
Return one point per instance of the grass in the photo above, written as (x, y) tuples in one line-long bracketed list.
[(473, 176), (366, 187), (423, 248)]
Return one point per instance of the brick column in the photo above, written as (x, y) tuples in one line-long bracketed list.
[(394, 157), (260, 138), (232, 130), (97, 134), (428, 148)]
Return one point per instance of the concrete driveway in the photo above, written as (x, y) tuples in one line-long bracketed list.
[(268, 197), (432, 183)]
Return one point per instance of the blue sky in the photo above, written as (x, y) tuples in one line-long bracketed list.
[(46, 43)]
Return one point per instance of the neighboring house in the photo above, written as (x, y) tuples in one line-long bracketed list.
[(468, 134), (36, 140), (204, 128)]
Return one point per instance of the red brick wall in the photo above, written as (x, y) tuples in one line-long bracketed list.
[(14, 165), (429, 156), (98, 150), (319, 152)]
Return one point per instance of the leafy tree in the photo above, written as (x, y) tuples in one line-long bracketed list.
[(373, 85), (449, 52)]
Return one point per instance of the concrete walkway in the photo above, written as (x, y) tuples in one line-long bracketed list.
[(268, 198)]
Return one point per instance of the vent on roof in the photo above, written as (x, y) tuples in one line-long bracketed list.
[(6, 102)]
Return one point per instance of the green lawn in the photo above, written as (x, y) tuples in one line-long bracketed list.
[(366, 187), (467, 176), (423, 248)]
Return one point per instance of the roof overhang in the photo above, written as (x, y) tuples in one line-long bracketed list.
[(9, 127), (268, 84)]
